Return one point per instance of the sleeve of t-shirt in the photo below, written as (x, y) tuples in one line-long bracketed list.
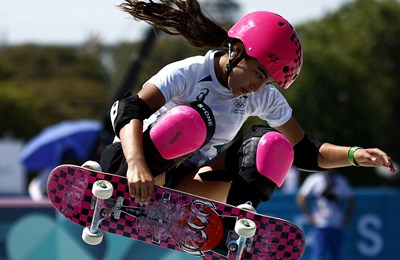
[(274, 108), (170, 80), (174, 79)]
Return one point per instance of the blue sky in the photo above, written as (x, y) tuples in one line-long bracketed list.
[(74, 21)]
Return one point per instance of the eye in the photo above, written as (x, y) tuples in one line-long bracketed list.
[(260, 75)]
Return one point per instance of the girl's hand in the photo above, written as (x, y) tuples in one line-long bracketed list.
[(141, 182), (373, 157)]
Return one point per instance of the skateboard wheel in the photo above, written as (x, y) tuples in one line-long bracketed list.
[(102, 189), (92, 238), (245, 228)]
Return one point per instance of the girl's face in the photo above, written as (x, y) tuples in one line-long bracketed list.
[(248, 76)]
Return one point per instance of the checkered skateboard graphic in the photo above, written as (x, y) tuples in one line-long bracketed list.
[(172, 219)]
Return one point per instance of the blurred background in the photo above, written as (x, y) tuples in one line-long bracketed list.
[(62, 65)]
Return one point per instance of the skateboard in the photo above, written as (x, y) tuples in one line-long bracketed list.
[(100, 202)]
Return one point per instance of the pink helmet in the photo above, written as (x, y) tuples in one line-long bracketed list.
[(272, 40)]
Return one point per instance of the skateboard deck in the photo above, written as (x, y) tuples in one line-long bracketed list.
[(173, 219)]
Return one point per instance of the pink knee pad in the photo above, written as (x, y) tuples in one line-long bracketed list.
[(178, 132), (274, 157)]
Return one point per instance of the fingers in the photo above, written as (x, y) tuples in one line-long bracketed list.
[(387, 162), (150, 191), (140, 183), (141, 192), (390, 165), (376, 158)]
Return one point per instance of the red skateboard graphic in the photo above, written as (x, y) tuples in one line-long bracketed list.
[(100, 202)]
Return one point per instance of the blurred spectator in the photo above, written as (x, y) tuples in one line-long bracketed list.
[(327, 201), (291, 183)]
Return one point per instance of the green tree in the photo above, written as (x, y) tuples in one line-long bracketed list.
[(42, 85), (19, 112)]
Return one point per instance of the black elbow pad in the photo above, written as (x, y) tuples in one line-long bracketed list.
[(132, 107), (306, 154)]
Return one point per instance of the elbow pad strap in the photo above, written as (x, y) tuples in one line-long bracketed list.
[(132, 107), (306, 154)]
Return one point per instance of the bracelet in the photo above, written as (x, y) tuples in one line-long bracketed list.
[(350, 155)]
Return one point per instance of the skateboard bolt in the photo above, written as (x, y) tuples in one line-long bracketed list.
[(246, 223), (102, 184), (232, 246), (104, 213)]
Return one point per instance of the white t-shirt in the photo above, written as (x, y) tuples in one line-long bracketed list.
[(326, 212), (194, 78)]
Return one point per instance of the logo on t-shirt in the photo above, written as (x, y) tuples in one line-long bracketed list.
[(203, 93), (240, 104)]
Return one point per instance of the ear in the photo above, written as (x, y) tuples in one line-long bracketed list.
[(238, 48)]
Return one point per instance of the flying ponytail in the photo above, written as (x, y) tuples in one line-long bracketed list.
[(179, 17)]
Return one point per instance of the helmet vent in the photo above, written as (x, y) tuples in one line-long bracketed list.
[(285, 69), (281, 24)]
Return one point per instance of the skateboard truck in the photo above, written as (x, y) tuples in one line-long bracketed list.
[(245, 229), (101, 190)]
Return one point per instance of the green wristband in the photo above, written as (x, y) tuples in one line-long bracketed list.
[(350, 155)]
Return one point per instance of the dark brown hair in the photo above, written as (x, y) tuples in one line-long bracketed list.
[(179, 17)]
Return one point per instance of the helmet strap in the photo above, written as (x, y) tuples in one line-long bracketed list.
[(232, 63)]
